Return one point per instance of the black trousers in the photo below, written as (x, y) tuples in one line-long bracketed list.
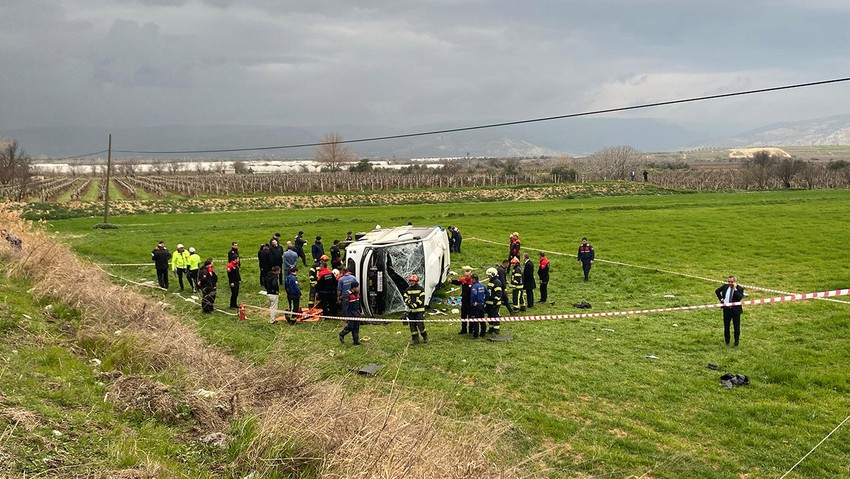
[(263, 273), (234, 292), (162, 278), (529, 296), (180, 272), (507, 303), (294, 306), (351, 326), (302, 256), (417, 323), (208, 300), (585, 265), (730, 315), (192, 278), (544, 291), (477, 328), (464, 314), (519, 297)]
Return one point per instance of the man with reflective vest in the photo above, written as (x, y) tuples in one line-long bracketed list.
[(414, 298), (194, 263), (494, 302), (180, 264), (516, 285), (478, 296), (586, 256)]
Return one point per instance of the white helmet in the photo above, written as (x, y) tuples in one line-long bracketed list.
[(492, 272)]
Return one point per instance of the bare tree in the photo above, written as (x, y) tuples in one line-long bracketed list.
[(759, 169), (15, 166), (128, 168), (174, 167), (157, 167), (240, 167), (612, 163), (332, 153), (787, 169)]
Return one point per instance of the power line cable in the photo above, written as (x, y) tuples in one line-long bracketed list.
[(506, 123), (79, 156)]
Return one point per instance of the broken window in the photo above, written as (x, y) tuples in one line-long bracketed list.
[(402, 261)]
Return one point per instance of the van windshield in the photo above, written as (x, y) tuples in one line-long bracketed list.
[(402, 261)]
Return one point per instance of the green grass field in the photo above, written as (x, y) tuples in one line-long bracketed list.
[(585, 400)]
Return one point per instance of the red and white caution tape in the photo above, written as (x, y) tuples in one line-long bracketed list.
[(659, 270), (550, 317)]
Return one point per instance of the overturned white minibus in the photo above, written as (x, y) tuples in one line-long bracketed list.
[(383, 259)]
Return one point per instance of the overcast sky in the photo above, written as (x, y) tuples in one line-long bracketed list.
[(124, 63)]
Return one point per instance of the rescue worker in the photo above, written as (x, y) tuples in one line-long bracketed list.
[(161, 257), (293, 294), (528, 282), (543, 276), (353, 311), (180, 264), (272, 283), (494, 301), (234, 278), (343, 284), (586, 256), (299, 243), (326, 289), (314, 278), (465, 283), (414, 298), (478, 295), (207, 282), (517, 286), (192, 268), (502, 269)]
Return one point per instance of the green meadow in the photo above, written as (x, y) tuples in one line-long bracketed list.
[(616, 396)]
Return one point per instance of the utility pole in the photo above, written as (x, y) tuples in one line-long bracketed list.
[(106, 191)]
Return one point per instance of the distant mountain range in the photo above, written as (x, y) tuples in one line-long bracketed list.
[(576, 137)]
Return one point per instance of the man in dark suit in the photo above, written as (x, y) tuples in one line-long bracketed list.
[(730, 293)]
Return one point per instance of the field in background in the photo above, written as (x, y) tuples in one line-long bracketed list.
[(586, 399)]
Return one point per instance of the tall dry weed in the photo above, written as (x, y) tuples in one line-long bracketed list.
[(302, 426)]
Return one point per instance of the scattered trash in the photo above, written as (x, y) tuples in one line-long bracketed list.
[(365, 339), (669, 295), (713, 367), (203, 393), (331, 353), (264, 293), (118, 332), (455, 311), (436, 311), (675, 325), (27, 316), (57, 433), (369, 370), (582, 305), (500, 338), (218, 439), (452, 290), (651, 356), (608, 329), (599, 339), (94, 362), (452, 301), (730, 380)]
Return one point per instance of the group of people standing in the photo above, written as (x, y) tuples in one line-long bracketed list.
[(201, 277)]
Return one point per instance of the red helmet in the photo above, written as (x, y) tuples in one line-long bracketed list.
[(413, 278)]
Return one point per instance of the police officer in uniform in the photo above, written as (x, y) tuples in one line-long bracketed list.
[(586, 256), (414, 298)]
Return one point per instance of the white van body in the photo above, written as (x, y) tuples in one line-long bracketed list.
[(383, 259)]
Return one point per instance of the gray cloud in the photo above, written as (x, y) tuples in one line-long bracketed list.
[(143, 62)]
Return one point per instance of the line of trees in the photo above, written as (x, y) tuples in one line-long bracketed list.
[(15, 170)]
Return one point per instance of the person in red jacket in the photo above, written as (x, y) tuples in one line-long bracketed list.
[(543, 276), (515, 246), (465, 283)]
